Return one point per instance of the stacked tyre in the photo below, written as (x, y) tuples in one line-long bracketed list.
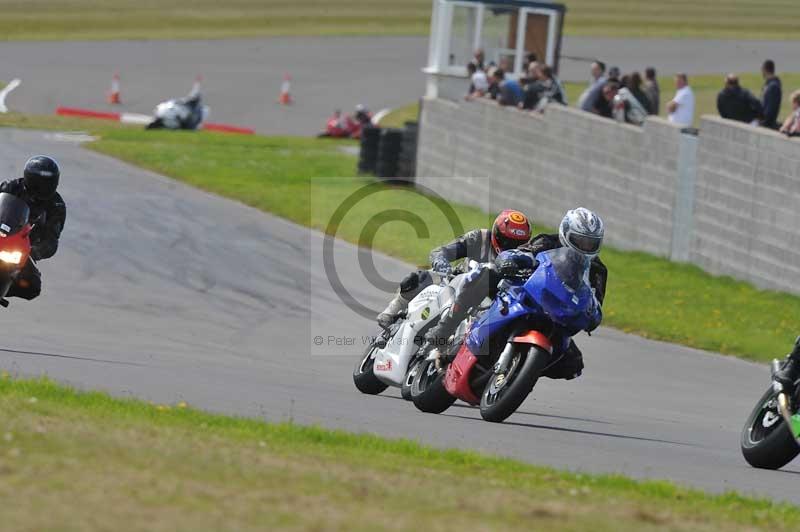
[(368, 155), (391, 142), (406, 165)]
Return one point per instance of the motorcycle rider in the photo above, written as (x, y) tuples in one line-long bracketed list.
[(580, 230), (790, 371), (37, 187), (510, 229)]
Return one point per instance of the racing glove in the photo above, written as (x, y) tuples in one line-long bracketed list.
[(442, 266), (513, 262), (595, 314)]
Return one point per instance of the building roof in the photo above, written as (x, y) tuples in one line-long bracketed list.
[(520, 3)]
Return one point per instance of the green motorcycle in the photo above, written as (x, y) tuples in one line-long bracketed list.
[(771, 436)]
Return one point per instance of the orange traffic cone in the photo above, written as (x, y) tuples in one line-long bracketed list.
[(285, 97), (114, 94)]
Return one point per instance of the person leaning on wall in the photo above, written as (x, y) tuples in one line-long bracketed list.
[(791, 126)]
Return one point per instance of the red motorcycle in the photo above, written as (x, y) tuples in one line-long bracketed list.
[(15, 244)]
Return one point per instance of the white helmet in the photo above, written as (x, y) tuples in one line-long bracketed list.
[(582, 230)]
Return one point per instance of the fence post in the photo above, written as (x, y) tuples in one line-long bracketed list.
[(683, 212)]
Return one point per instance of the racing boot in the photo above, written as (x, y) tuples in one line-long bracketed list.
[(439, 335), (392, 311), (790, 371)]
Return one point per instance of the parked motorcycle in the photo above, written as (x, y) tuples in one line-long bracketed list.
[(15, 245), (180, 113), (771, 435), (503, 351), (391, 358)]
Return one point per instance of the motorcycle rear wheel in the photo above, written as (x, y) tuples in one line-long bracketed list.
[(364, 375), (505, 392), (766, 441), (427, 389)]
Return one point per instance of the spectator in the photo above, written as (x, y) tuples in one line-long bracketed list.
[(598, 79), (478, 82), (477, 59), (791, 126), (604, 105), (530, 74), (681, 107), (652, 90), (529, 60), (771, 95), (494, 88), (597, 72), (532, 86), (614, 74), (736, 103), (509, 91), (635, 86), (626, 108), (545, 89)]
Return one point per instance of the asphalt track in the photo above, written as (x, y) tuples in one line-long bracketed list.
[(163, 292), (242, 78)]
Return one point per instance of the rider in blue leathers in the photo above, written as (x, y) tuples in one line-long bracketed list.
[(580, 230)]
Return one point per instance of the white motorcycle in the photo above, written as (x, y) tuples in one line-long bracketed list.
[(391, 359), (180, 113)]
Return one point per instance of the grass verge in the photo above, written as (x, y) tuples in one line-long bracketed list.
[(95, 463), (207, 19), (398, 117), (306, 180)]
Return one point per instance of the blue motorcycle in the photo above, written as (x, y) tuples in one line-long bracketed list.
[(505, 350)]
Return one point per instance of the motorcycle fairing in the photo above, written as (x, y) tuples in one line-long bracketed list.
[(456, 380)]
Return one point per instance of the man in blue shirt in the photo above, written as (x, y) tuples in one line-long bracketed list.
[(510, 90)]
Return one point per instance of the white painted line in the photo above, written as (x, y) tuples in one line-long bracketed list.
[(77, 137), (6, 90), (135, 118), (380, 115)]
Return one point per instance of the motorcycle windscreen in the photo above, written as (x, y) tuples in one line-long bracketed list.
[(14, 214), (560, 285)]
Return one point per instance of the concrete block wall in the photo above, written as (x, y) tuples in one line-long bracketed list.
[(728, 201), (492, 157), (747, 204)]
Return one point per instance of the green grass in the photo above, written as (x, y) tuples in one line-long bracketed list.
[(204, 19), (398, 117), (305, 180), (84, 461)]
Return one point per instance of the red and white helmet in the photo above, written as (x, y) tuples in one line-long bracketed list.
[(510, 230)]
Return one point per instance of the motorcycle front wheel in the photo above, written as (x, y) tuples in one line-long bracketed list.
[(364, 373), (506, 391), (766, 441), (427, 389)]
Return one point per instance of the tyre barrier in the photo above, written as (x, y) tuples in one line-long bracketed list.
[(368, 155), (390, 153), (407, 164)]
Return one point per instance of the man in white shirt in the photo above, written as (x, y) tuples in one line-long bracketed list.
[(681, 108), (478, 82)]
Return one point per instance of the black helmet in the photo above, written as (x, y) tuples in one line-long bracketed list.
[(41, 176)]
